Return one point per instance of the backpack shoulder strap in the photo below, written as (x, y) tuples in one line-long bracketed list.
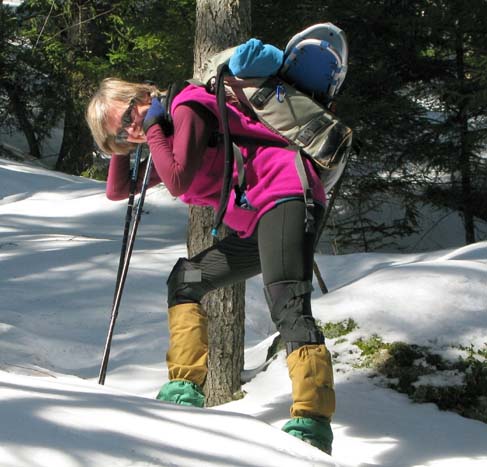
[(228, 148), (172, 91), (167, 98)]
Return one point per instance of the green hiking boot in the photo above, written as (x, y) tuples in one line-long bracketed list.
[(182, 393), (315, 431)]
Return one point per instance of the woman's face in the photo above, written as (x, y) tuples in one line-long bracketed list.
[(126, 120)]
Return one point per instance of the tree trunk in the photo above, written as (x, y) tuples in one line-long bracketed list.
[(75, 154), (76, 146), (464, 155), (22, 115), (219, 24), (466, 183)]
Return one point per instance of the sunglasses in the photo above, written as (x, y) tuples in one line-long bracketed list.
[(126, 120)]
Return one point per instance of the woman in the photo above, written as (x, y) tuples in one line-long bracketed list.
[(268, 236)]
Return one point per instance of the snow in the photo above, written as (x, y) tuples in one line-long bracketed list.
[(60, 241)]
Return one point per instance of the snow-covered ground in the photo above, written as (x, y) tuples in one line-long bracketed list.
[(59, 246)]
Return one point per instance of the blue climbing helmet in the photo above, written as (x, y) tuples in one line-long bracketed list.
[(316, 60)]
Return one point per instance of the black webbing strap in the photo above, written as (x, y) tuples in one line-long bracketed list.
[(232, 153), (309, 218), (229, 152), (172, 91), (315, 338)]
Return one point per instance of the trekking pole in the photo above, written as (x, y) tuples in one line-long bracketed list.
[(357, 147), (316, 269), (127, 254), (134, 175)]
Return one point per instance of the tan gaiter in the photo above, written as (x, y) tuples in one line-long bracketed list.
[(188, 343), (311, 374)]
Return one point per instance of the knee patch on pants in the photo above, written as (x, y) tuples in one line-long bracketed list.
[(289, 303), (184, 284)]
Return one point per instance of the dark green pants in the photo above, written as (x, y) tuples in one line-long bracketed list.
[(280, 249)]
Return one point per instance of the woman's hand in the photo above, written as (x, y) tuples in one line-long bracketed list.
[(154, 115)]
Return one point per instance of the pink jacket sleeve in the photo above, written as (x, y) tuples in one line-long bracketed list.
[(175, 164)]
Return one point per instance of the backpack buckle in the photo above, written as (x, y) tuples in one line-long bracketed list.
[(309, 218)]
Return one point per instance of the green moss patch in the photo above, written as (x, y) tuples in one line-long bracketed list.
[(425, 376), (459, 386), (335, 329)]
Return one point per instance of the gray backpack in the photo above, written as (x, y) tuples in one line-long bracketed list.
[(294, 103)]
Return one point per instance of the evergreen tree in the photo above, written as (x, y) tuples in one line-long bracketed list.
[(27, 95), (457, 92), (385, 41), (410, 62), (416, 98), (69, 46), (415, 91)]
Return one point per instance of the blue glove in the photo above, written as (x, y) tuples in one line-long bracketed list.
[(154, 115), (255, 59)]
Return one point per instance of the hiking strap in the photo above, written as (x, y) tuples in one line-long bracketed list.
[(232, 151), (232, 155), (356, 146), (228, 146), (309, 218), (172, 91)]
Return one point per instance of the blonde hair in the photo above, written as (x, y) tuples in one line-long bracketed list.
[(113, 90)]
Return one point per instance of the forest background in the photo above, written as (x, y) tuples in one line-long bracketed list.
[(415, 94)]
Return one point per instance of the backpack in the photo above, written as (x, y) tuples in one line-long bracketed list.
[(294, 101)]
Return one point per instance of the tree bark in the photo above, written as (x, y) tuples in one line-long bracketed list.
[(22, 115), (464, 151), (75, 153), (219, 24)]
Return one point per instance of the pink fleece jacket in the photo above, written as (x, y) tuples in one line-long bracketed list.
[(270, 172), (193, 171)]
